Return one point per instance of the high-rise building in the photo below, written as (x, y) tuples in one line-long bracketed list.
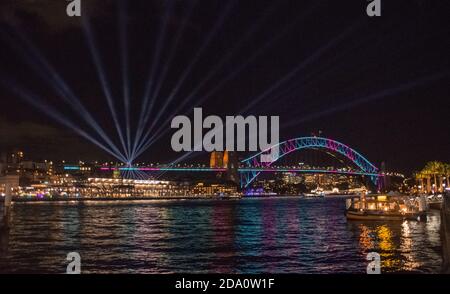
[(17, 157)]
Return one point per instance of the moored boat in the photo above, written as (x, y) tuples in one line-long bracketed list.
[(386, 207), (316, 193), (435, 201)]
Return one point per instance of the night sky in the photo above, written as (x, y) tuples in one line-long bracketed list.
[(379, 85)]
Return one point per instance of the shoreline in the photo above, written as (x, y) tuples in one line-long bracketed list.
[(142, 199), (122, 199), (17, 200)]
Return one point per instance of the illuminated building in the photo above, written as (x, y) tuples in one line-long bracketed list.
[(49, 168), (114, 188), (225, 159), (28, 171), (202, 189), (216, 159), (16, 157), (292, 178), (12, 180), (67, 186), (116, 174)]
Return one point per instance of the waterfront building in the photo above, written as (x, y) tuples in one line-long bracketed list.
[(118, 188), (213, 189), (11, 180), (27, 171), (292, 178), (69, 186)]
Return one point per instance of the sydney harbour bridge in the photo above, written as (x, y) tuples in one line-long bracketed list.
[(251, 167)]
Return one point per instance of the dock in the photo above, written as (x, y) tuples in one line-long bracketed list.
[(445, 232), (4, 225), (1, 214), (4, 215), (5, 209)]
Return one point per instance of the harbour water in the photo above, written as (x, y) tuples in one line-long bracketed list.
[(268, 235)]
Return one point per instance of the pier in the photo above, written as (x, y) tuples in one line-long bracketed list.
[(445, 227), (6, 209)]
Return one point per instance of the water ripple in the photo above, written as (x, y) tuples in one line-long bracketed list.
[(273, 235)]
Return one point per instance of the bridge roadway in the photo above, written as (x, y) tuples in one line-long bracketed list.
[(241, 169)]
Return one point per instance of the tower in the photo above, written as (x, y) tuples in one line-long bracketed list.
[(216, 159), (232, 166)]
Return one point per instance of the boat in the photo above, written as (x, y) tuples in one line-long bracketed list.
[(386, 207), (435, 201), (336, 192), (228, 196), (316, 193)]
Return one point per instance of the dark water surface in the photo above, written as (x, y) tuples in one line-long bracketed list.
[(271, 235)]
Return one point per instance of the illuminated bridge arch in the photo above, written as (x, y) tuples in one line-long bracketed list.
[(296, 144)]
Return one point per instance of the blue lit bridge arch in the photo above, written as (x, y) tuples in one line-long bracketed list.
[(255, 166)]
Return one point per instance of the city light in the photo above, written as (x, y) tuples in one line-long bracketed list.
[(189, 138)]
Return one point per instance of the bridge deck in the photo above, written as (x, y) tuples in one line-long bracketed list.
[(243, 170)]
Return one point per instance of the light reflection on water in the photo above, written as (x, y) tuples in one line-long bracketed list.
[(272, 235)]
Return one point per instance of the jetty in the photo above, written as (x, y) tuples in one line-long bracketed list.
[(5, 209), (445, 232)]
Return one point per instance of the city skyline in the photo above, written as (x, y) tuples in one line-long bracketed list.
[(236, 141), (314, 77)]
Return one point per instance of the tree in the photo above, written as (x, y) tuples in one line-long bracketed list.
[(435, 169), (446, 167)]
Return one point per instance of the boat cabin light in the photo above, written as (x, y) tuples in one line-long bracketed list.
[(382, 198)]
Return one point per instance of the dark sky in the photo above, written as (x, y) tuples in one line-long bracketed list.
[(380, 85)]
